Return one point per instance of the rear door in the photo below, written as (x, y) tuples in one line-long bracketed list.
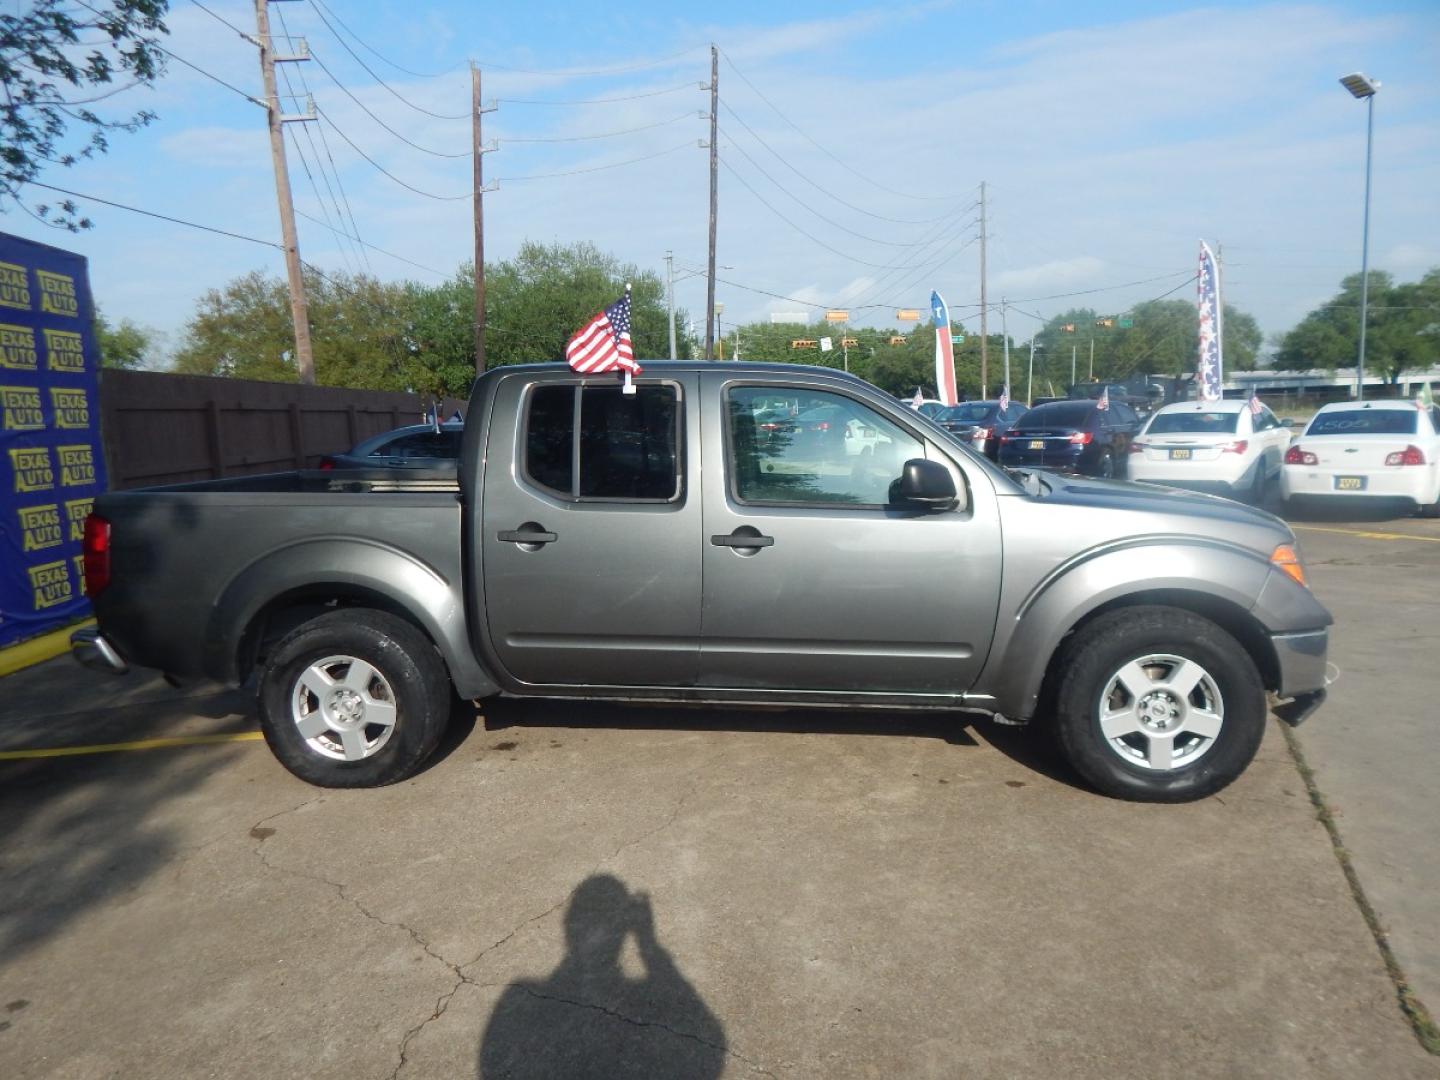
[(590, 531), (813, 579)]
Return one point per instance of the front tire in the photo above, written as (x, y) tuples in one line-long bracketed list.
[(354, 698), (1158, 704)]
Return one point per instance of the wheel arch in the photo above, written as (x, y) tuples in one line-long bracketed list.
[(291, 585)]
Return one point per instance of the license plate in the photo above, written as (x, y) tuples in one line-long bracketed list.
[(1037, 444), (1179, 455), (1349, 483)]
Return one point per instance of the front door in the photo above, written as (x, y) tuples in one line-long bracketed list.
[(590, 532), (814, 579)]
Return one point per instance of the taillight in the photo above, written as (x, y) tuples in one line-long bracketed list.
[(1138, 447), (981, 434), (1081, 438), (1411, 455), (1236, 447), (824, 425), (327, 463), (97, 554), (1297, 456)]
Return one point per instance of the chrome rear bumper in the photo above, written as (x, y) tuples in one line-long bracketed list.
[(90, 648)]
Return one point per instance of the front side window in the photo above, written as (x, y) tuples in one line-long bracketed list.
[(626, 446), (826, 449)]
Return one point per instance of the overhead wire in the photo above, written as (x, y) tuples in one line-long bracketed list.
[(824, 191), (687, 115), (213, 78), (153, 214), (595, 168), (399, 96), (823, 149), (410, 187), (376, 247), (366, 109), (606, 100), (221, 18)]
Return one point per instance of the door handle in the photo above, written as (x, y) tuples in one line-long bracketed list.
[(743, 540), (525, 536)]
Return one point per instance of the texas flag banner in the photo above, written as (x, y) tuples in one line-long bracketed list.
[(1211, 367), (944, 351), (603, 344)]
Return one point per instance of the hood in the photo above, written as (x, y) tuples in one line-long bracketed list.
[(1162, 509)]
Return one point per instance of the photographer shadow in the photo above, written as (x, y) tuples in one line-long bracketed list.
[(589, 1018)]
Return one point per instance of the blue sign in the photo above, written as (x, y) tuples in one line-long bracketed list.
[(51, 463)]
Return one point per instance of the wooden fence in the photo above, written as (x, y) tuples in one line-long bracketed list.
[(170, 429)]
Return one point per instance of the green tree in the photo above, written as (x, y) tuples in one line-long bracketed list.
[(55, 62), (126, 346), (1402, 328)]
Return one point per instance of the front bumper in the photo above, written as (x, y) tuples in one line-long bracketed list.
[(89, 647), (1301, 662)]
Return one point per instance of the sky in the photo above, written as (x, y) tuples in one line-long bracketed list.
[(1110, 136)]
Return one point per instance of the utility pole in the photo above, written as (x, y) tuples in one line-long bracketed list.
[(984, 307), (478, 152), (714, 198), (1030, 379), (1092, 355), (1072, 365), (670, 297), (1005, 333), (299, 310)]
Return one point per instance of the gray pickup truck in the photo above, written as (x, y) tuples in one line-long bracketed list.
[(728, 533)]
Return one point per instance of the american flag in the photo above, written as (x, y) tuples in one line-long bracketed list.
[(603, 344), (1004, 401), (1104, 400), (1211, 368), (918, 399), (1255, 407)]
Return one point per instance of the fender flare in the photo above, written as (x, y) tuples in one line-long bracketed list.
[(1213, 571), (347, 566)]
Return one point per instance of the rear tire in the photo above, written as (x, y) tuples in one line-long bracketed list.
[(354, 698), (1158, 704)]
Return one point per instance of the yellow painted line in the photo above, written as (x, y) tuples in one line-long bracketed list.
[(139, 744), (1366, 534), (38, 649)]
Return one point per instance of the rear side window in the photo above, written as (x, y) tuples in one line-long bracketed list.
[(626, 446), (1365, 422), (1197, 423)]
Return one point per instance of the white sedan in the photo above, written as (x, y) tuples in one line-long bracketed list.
[(1367, 451), (1226, 447)]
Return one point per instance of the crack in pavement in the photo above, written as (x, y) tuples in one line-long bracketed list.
[(754, 1066)]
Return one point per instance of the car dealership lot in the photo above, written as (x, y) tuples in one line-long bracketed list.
[(716, 891)]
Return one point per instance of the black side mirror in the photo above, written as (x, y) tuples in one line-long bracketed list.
[(927, 483)]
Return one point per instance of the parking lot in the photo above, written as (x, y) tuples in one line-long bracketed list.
[(595, 890)]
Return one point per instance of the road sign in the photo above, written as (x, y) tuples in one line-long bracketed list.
[(906, 314), (825, 345), (837, 316), (1126, 322), (781, 317)]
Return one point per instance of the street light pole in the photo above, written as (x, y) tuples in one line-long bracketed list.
[(670, 296), (1361, 85)]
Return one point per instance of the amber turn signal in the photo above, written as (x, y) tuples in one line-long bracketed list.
[(1284, 559)]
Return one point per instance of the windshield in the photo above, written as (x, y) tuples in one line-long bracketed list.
[(1061, 414), (1198, 422), (1365, 422), (974, 411)]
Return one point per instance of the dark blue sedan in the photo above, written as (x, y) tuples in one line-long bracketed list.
[(1071, 436)]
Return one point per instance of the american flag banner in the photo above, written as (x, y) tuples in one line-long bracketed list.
[(944, 351), (1211, 368), (1255, 407), (918, 399), (1103, 402), (1004, 401), (603, 344)]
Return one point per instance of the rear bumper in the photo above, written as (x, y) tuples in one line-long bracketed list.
[(1414, 485), (89, 647), (1301, 662)]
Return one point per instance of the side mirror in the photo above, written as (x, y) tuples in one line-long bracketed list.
[(927, 483)]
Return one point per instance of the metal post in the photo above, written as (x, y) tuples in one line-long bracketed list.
[(1365, 250), (984, 308), (670, 297), (1030, 378), (479, 209), (1005, 333), (714, 199), (1072, 365)]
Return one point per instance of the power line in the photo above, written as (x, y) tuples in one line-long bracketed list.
[(373, 52), (608, 100), (594, 168), (221, 18), (399, 96), (411, 187), (153, 214), (403, 138), (941, 237), (689, 115), (859, 210), (214, 78), (823, 149), (806, 206), (375, 247), (305, 164)]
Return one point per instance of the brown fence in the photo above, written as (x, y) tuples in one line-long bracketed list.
[(169, 429)]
